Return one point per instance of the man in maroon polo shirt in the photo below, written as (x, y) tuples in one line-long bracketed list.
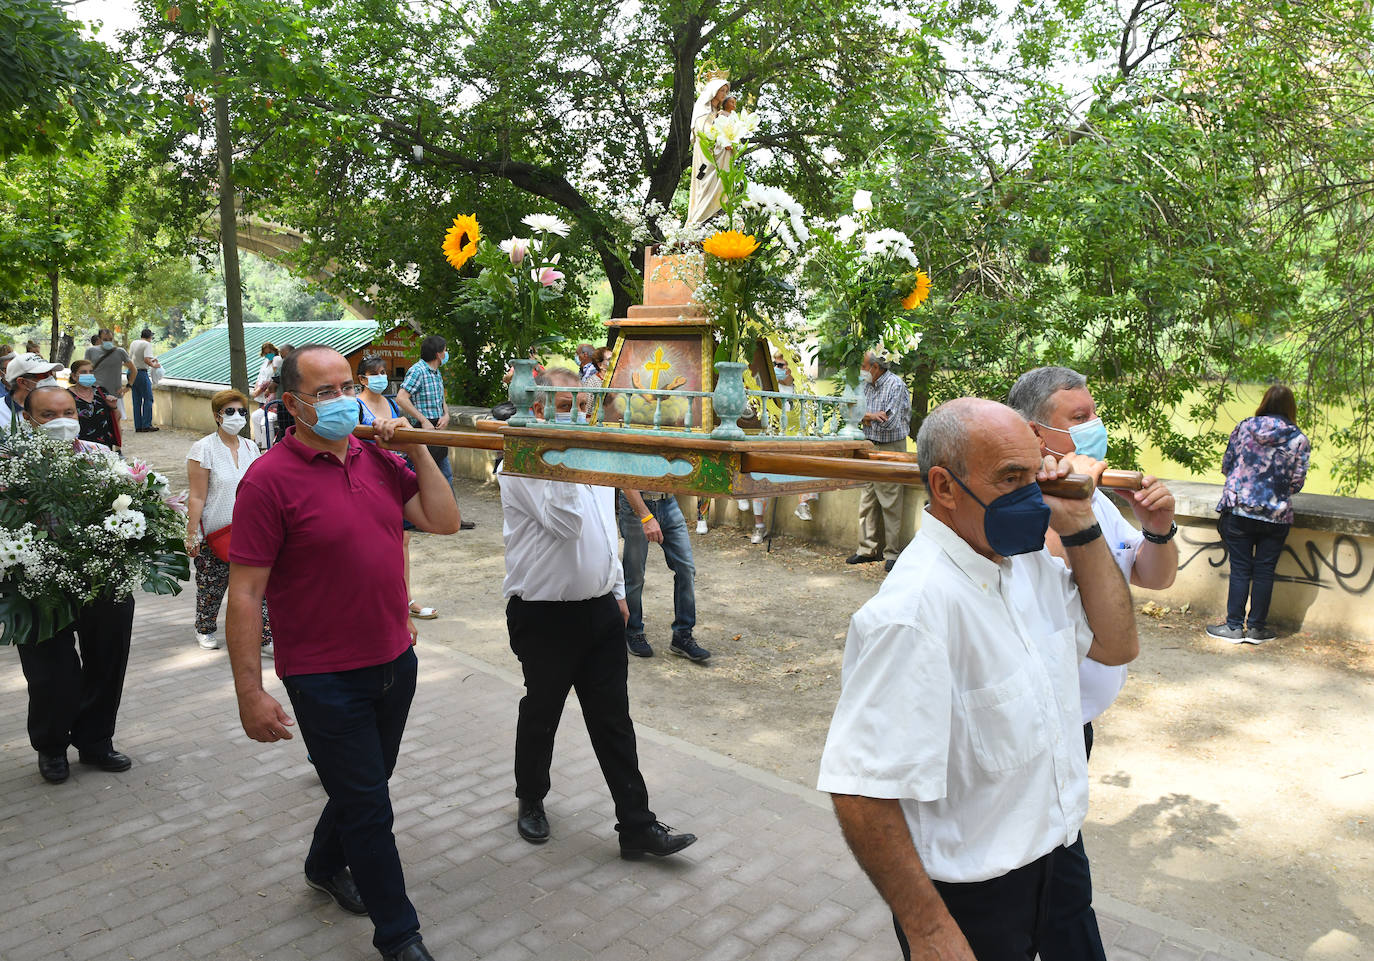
[(317, 530)]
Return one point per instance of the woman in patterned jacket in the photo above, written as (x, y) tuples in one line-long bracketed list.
[(1265, 465)]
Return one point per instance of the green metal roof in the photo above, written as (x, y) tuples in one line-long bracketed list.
[(205, 357)]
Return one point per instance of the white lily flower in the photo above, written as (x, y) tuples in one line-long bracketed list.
[(122, 503), (516, 248)]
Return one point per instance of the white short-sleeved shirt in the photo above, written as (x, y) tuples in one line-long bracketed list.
[(1099, 684), (960, 699), (139, 352), (209, 452)]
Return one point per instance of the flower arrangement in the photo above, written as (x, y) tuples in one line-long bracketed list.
[(868, 281), (74, 527), (520, 272), (750, 268)]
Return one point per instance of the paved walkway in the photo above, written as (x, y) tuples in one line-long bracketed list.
[(196, 852)]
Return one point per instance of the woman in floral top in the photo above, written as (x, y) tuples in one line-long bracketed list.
[(1265, 465), (95, 410)]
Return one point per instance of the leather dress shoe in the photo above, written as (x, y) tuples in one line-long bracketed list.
[(857, 558), (532, 824), (107, 760), (414, 951), (54, 767), (656, 839), (342, 889)]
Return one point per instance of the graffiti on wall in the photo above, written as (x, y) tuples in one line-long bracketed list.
[(1341, 565)]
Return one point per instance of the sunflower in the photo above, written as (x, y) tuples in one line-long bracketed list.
[(730, 245), (464, 229), (919, 293)]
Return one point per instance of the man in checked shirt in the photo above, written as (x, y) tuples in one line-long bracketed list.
[(887, 418)]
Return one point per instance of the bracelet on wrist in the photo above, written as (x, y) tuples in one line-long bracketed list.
[(646, 518), (1086, 536), (1161, 538)]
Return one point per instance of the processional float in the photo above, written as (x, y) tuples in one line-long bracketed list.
[(665, 421)]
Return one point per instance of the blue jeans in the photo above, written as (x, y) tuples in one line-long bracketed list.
[(143, 400), (1254, 547), (677, 553), (352, 722)]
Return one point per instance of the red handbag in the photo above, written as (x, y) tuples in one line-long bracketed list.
[(218, 542)]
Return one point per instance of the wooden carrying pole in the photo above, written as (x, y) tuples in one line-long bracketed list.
[(884, 467)]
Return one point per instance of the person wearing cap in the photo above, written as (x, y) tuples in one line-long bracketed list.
[(145, 363), (6, 355), (25, 373), (74, 701)]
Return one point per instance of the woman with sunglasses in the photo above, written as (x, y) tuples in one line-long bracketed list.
[(214, 466)]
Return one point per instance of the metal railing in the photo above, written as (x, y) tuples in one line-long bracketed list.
[(779, 415)]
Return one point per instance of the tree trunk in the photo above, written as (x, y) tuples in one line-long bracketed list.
[(228, 228), (53, 339)]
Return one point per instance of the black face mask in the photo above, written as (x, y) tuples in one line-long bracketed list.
[(1016, 522)]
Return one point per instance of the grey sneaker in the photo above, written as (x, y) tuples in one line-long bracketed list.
[(207, 642), (685, 646), (1258, 635), (1224, 632), (639, 647)]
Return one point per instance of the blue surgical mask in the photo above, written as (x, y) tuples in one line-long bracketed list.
[(107, 345), (335, 419), (377, 383), (781, 371), (1090, 438), (86, 380), (444, 359), (1014, 523), (865, 377)]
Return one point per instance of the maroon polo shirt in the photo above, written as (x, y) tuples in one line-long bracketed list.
[(331, 532)]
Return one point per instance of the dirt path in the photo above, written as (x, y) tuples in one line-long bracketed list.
[(1232, 786)]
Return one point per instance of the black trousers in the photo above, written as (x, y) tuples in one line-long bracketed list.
[(576, 645), (1073, 934), (1003, 919), (73, 699)]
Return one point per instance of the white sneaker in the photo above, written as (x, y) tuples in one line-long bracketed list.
[(267, 651), (701, 525), (742, 504), (207, 642), (757, 536), (803, 511)]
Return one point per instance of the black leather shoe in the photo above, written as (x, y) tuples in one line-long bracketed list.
[(342, 889), (54, 767), (414, 951), (532, 824), (656, 839), (862, 558), (889, 564), (108, 760)]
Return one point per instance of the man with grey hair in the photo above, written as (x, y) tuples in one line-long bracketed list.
[(1063, 414), (886, 420), (586, 363), (953, 758)]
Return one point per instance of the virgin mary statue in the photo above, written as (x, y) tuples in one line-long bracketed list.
[(706, 193)]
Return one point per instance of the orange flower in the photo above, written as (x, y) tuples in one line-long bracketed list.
[(730, 245), (919, 293), (456, 250)]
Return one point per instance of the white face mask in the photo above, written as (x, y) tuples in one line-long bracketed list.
[(47, 382), (64, 429), (233, 423), (865, 377)]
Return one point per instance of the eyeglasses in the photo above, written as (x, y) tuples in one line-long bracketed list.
[(332, 393), (234, 410)]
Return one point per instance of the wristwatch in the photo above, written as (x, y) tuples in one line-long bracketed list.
[(1161, 538)]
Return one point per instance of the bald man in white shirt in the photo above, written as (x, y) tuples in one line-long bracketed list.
[(566, 616), (955, 757)]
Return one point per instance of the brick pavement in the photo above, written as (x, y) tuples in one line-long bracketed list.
[(196, 852)]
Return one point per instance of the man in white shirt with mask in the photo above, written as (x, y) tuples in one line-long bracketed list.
[(1063, 413), (955, 758), (566, 616)]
